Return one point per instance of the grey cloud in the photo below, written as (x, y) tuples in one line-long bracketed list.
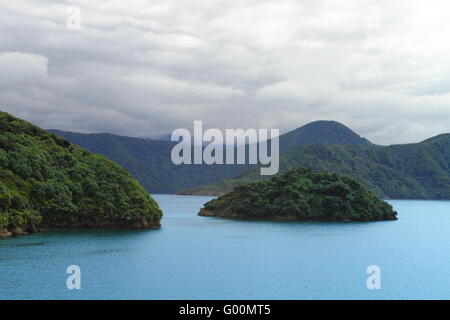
[(144, 68)]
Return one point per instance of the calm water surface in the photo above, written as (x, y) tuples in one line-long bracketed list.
[(193, 257)]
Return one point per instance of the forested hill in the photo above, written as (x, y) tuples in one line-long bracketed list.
[(150, 163), (45, 181), (321, 132), (410, 171), (301, 194)]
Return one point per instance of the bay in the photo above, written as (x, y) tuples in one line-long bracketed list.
[(194, 257)]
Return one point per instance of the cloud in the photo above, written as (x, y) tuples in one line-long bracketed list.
[(145, 68), (22, 69)]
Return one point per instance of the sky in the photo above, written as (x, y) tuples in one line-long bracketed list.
[(148, 67)]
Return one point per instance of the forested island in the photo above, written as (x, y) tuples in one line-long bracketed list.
[(47, 182), (301, 194)]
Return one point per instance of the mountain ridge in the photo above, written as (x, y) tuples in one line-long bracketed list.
[(150, 163), (321, 132), (410, 171)]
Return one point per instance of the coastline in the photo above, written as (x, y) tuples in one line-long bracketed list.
[(27, 230), (208, 213)]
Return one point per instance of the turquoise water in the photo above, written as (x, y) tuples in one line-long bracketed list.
[(193, 257)]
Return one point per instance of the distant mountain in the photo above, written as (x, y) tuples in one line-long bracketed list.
[(321, 132), (413, 171), (45, 181), (442, 138), (164, 137), (150, 163)]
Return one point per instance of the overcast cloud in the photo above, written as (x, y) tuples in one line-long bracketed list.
[(145, 68)]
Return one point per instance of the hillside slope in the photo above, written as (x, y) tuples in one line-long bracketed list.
[(321, 132), (411, 171), (45, 181), (150, 163)]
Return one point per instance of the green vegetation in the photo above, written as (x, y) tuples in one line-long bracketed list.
[(45, 181), (150, 163), (411, 171), (301, 194), (321, 132)]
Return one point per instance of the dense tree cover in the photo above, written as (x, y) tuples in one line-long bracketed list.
[(150, 163), (410, 171), (321, 132), (47, 181), (301, 194)]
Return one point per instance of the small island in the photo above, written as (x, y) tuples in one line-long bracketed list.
[(301, 195)]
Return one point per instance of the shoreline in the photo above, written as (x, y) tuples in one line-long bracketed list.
[(207, 213), (28, 230)]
